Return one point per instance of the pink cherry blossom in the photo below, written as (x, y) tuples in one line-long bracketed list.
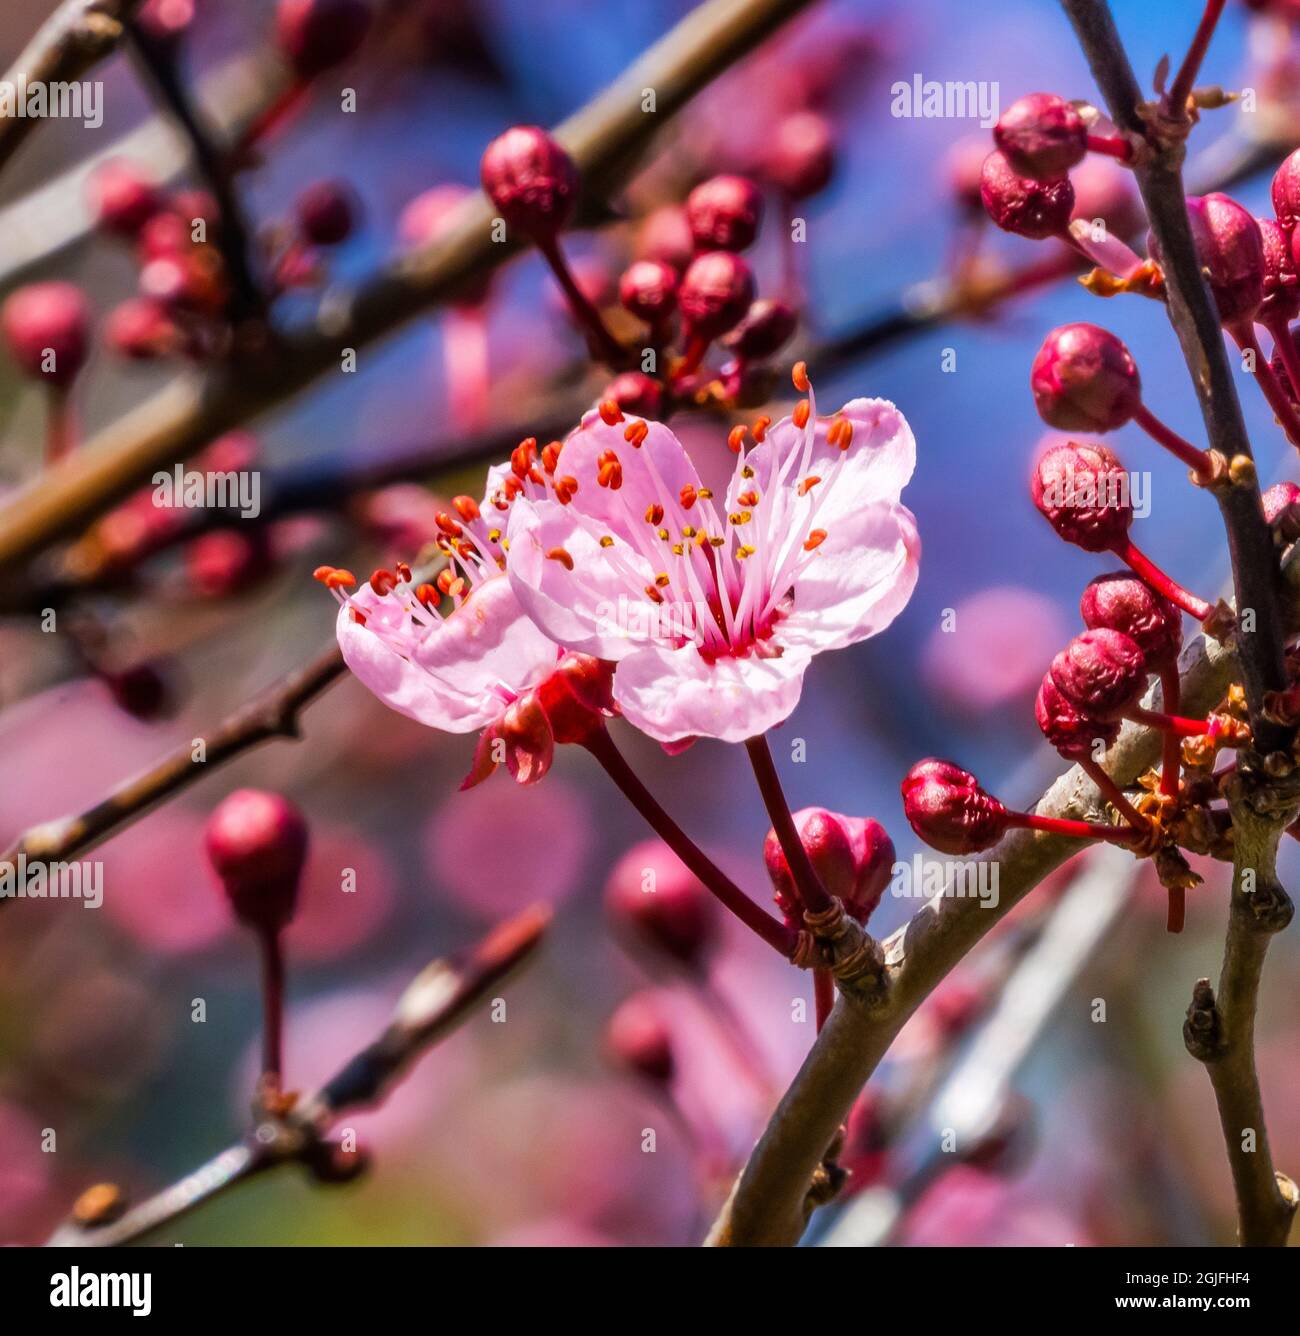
[(713, 614)]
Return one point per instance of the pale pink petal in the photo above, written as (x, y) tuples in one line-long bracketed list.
[(856, 582), (599, 607), (672, 694), (457, 676)]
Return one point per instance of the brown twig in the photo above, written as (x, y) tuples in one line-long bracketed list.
[(274, 714), (439, 998), (76, 37), (604, 138)]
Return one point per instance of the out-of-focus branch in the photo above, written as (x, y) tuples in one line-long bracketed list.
[(78, 35), (274, 714), (604, 138), (770, 1204), (439, 998)]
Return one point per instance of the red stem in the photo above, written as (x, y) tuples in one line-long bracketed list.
[(580, 304), (1138, 561), (823, 994), (1278, 399), (1173, 724), (1112, 792), (60, 424), (273, 118), (1196, 460), (696, 346), (770, 929), (1284, 346), (812, 893), (1078, 830), (272, 1005), (1180, 89), (1114, 146)]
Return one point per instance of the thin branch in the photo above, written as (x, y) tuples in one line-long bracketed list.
[(274, 714), (75, 38), (604, 138), (1181, 88), (439, 998)]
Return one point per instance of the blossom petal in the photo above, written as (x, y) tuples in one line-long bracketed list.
[(856, 582), (457, 675), (590, 603), (675, 694)]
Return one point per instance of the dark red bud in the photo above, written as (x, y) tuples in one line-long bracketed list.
[(141, 329), (1022, 205), (1082, 492), (1282, 510), (143, 691), (577, 697), (531, 180), (654, 900), (801, 159), (47, 328), (1071, 732), (326, 212), (529, 742), (724, 213), (1100, 672), (766, 328), (948, 809), (638, 1039), (648, 288), (1042, 136), (1124, 602), (316, 35), (226, 562), (1281, 288), (636, 393), (1231, 251), (122, 198), (715, 293), (824, 835), (257, 842), (1084, 379), (1286, 191)]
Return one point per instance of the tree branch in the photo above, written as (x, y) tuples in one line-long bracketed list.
[(76, 37), (604, 138), (438, 999)]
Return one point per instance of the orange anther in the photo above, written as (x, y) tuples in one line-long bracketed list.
[(808, 484), (565, 488), (403, 572), (466, 507), (799, 374), (800, 415), (814, 539), (654, 595), (687, 496), (610, 412), (551, 455), (322, 573), (562, 556), (447, 524), (654, 513), (427, 595), (761, 424), (636, 432), (340, 579), (522, 456), (736, 437), (749, 498)]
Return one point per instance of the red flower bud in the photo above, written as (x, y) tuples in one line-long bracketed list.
[(257, 842), (326, 212), (142, 691), (316, 35), (1071, 732), (724, 213), (766, 328), (140, 328), (1077, 490), (653, 899), (1022, 205), (801, 159), (531, 180), (666, 235), (1281, 288), (578, 696), (1084, 379), (636, 393), (638, 1038), (715, 293), (47, 327), (853, 857), (1282, 510), (226, 562), (122, 198), (1042, 136), (1125, 603), (1286, 191), (948, 809), (1100, 672), (1231, 251), (165, 21), (648, 288)]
